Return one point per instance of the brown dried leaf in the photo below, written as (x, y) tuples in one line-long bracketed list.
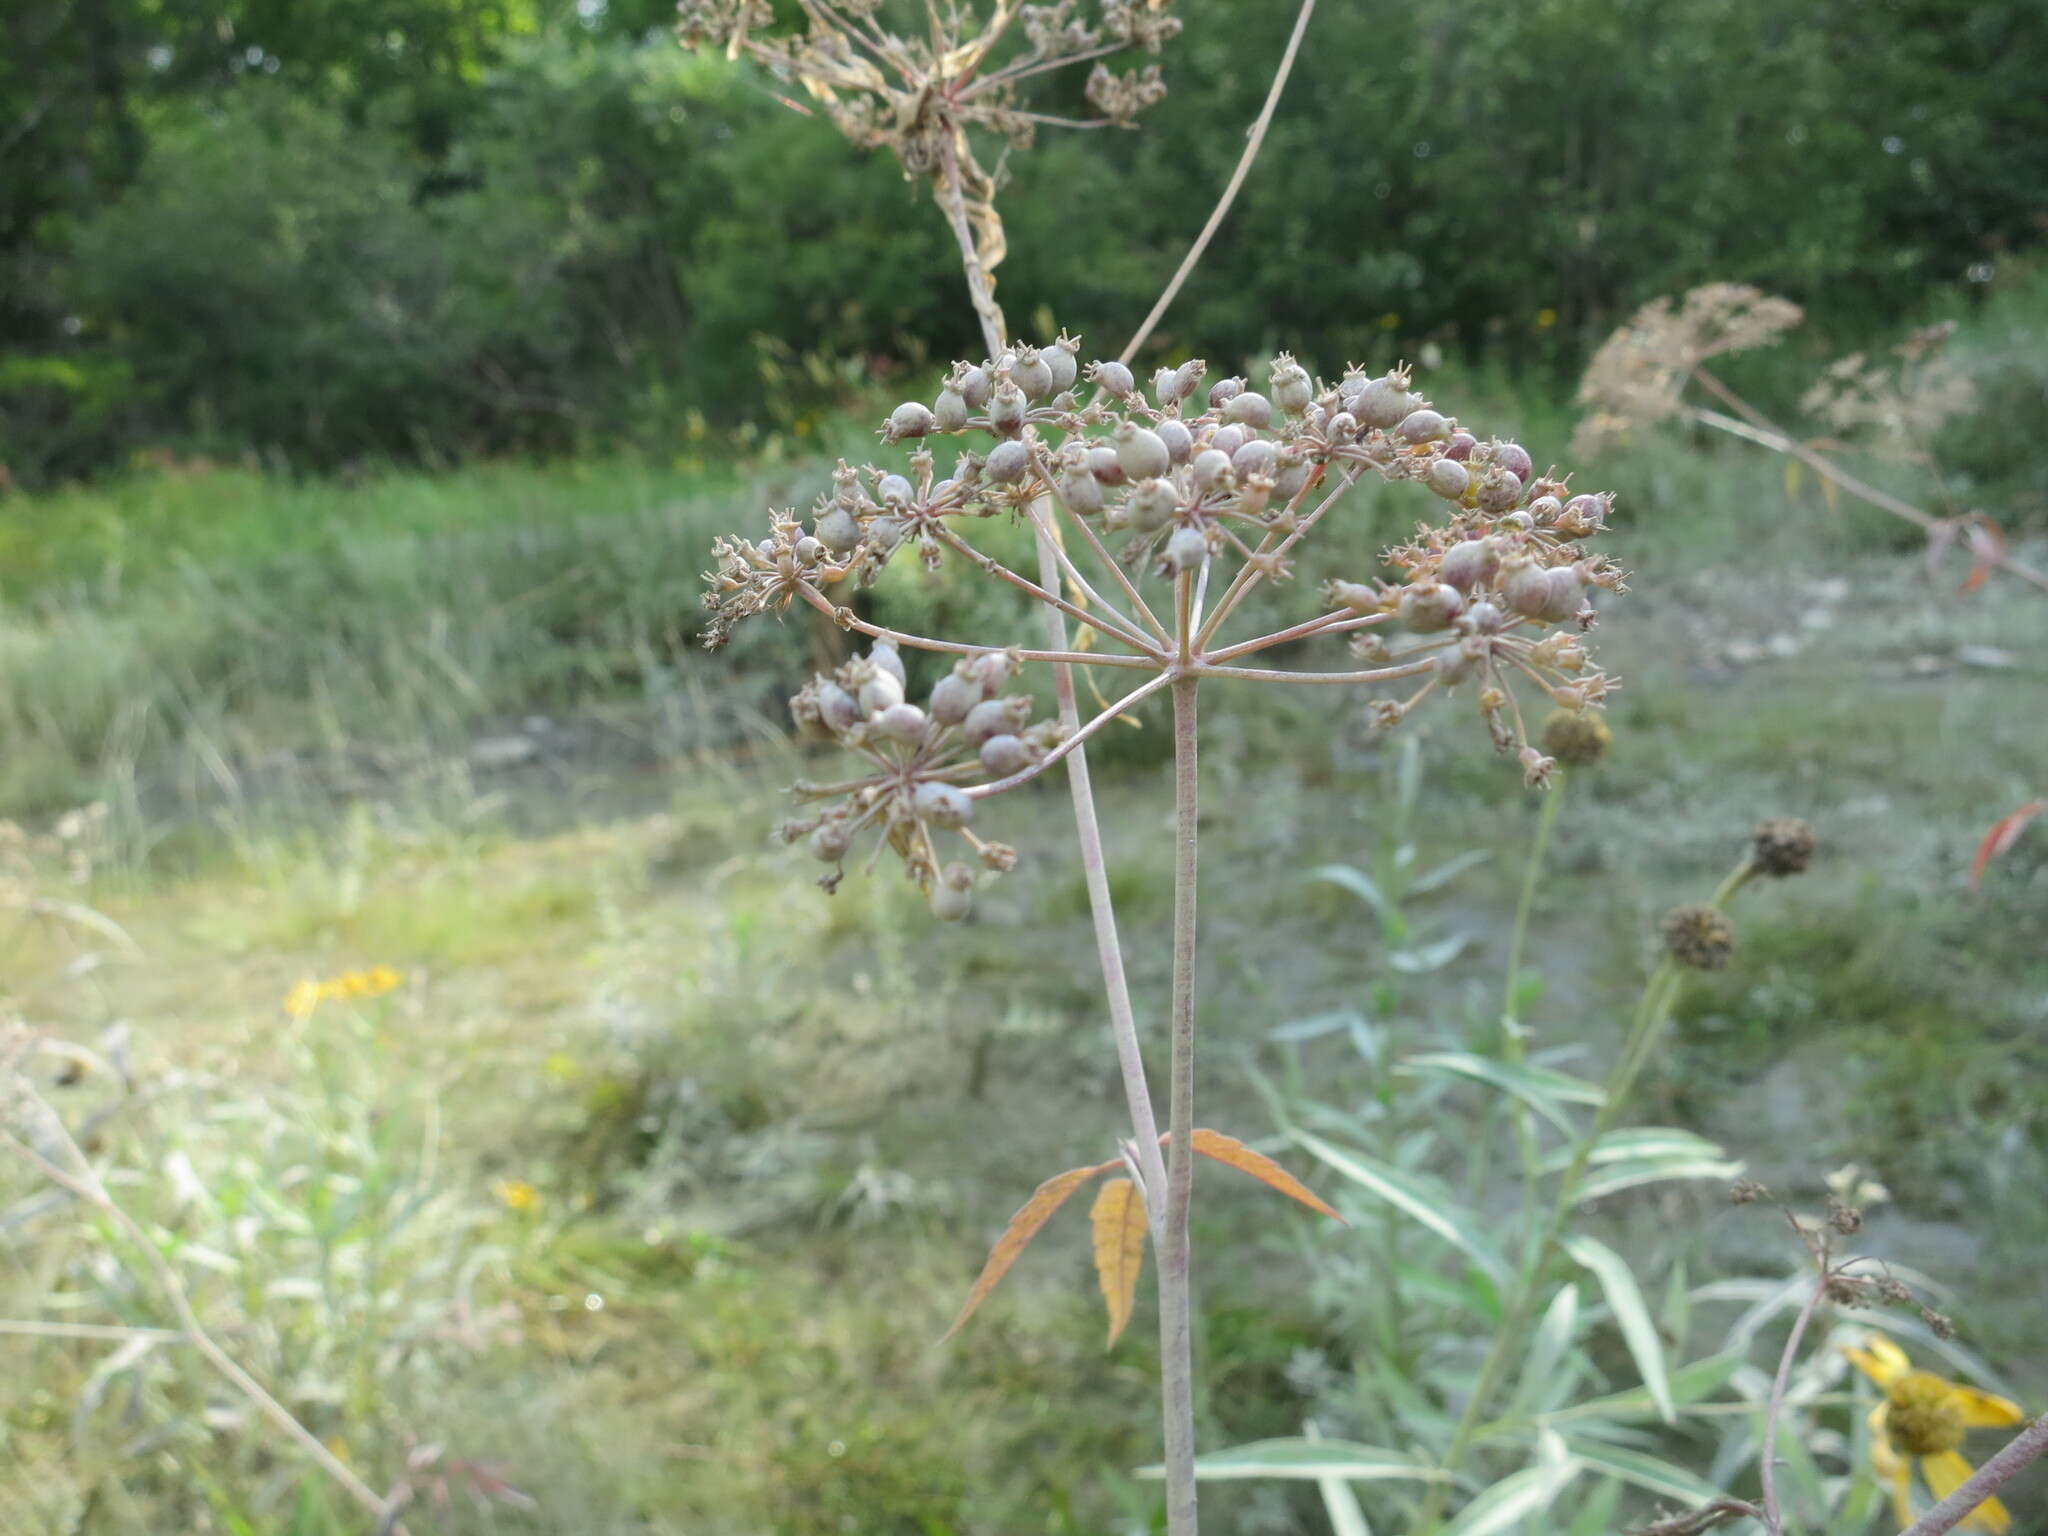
[(2003, 834), (1118, 1218), (1032, 1215), (1233, 1153), (1987, 550)]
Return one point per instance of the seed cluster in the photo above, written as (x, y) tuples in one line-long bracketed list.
[(966, 729), (1198, 478)]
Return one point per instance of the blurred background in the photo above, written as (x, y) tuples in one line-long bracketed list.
[(391, 863)]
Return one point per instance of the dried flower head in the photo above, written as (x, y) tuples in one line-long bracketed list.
[(1901, 401), (1782, 845), (1699, 936), (1576, 738), (1640, 372), (1206, 493), (916, 96)]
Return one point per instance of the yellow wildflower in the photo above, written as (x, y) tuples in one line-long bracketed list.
[(303, 999), (1923, 1417), (518, 1195)]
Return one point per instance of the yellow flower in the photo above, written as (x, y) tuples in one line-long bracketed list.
[(1546, 318), (303, 999), (1924, 1416), (518, 1195)]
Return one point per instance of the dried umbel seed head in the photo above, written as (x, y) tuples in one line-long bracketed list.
[(1112, 378), (1006, 408), (954, 695), (1081, 491), (1576, 738), (1180, 442), (895, 491), (1032, 374), (1104, 465), (1063, 358), (995, 717), (837, 530), (1008, 462), (1249, 408), (830, 840), (1700, 937), (1211, 467), (1383, 402), (910, 419), (1292, 390), (1228, 438), (1500, 490), (942, 805), (883, 655), (1460, 446), (901, 722), (1447, 477), (952, 894), (1150, 505), (1223, 391), (1431, 606), (974, 385), (1514, 458), (1469, 563), (949, 411), (1141, 452), (839, 709), (1424, 426), (1782, 845), (1186, 549), (1005, 754)]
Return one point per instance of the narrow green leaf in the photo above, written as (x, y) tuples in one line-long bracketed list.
[(1513, 1499), (1301, 1458), (1689, 1383), (1542, 1089), (1648, 1472), (1339, 1502), (1641, 1142), (1432, 1208), (1637, 1330), (1618, 1176), (1356, 881), (1547, 1347), (1431, 957), (1449, 870)]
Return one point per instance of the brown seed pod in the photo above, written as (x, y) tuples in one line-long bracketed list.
[(1576, 738), (1700, 937), (1782, 845)]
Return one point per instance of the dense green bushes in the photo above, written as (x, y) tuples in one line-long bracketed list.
[(536, 236)]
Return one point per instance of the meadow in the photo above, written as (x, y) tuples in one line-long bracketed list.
[(644, 1178)]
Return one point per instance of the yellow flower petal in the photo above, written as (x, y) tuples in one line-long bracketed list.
[(1902, 1495), (303, 999), (1985, 1410), (1946, 1473), (1882, 1456), (1880, 1359)]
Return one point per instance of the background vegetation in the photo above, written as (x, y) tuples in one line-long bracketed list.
[(374, 381)]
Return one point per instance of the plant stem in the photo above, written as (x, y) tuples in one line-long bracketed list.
[(1767, 1460), (1513, 1036), (2027, 1446), (1253, 140), (1659, 995), (1176, 1364), (1766, 432)]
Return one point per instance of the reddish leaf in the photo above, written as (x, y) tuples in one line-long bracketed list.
[(1987, 549), (1233, 1153), (2003, 834), (1119, 1222), (1032, 1215)]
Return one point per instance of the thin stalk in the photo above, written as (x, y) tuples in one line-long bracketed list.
[(1767, 432), (851, 620), (1767, 1462), (1253, 139), (1659, 995), (2025, 1447), (1047, 590), (1514, 1037), (1176, 1363), (1109, 953)]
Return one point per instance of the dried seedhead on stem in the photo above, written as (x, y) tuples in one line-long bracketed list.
[(917, 96), (1639, 374), (1202, 491)]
